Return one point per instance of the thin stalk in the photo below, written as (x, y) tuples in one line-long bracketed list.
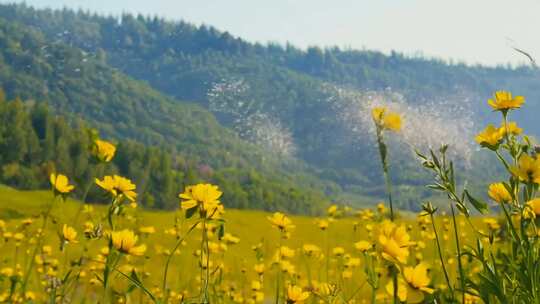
[(389, 190), (108, 267), (446, 276), (38, 244), (278, 275), (327, 257), (395, 284), (164, 285), (458, 247), (202, 294), (501, 158), (388, 182), (384, 163), (207, 267)]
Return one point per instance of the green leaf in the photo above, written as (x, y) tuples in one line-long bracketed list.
[(419, 154), (66, 277), (221, 231), (479, 205), (191, 211), (435, 159), (462, 209)]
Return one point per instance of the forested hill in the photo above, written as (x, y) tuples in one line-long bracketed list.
[(280, 98), (173, 143)]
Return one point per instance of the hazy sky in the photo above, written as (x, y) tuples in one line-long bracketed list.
[(474, 31)]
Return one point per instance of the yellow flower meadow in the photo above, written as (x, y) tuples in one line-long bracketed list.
[(367, 255)]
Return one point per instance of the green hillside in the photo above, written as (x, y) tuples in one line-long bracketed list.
[(86, 92)]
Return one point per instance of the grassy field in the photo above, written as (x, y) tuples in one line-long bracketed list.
[(258, 244)]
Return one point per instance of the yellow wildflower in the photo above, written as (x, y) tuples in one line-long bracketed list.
[(27, 221), (492, 223), (511, 127), (147, 230), (381, 208), (295, 294), (411, 289), (7, 271), (104, 150), (395, 242), (287, 267), (352, 262), (125, 240), (256, 285), (338, 251), (205, 196), (332, 210), (503, 101), (285, 252), (418, 282), (30, 296), (362, 246), (499, 193), (60, 183), (230, 239), (323, 224), (88, 209), (281, 221), (386, 120), (18, 236), (490, 136), (117, 186), (69, 234), (310, 249), (528, 169), (532, 208), (259, 268)]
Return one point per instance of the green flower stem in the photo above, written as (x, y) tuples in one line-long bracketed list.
[(384, 162), (38, 244), (278, 275), (165, 272), (441, 258), (458, 248)]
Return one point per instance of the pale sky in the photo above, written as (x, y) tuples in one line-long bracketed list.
[(474, 31)]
